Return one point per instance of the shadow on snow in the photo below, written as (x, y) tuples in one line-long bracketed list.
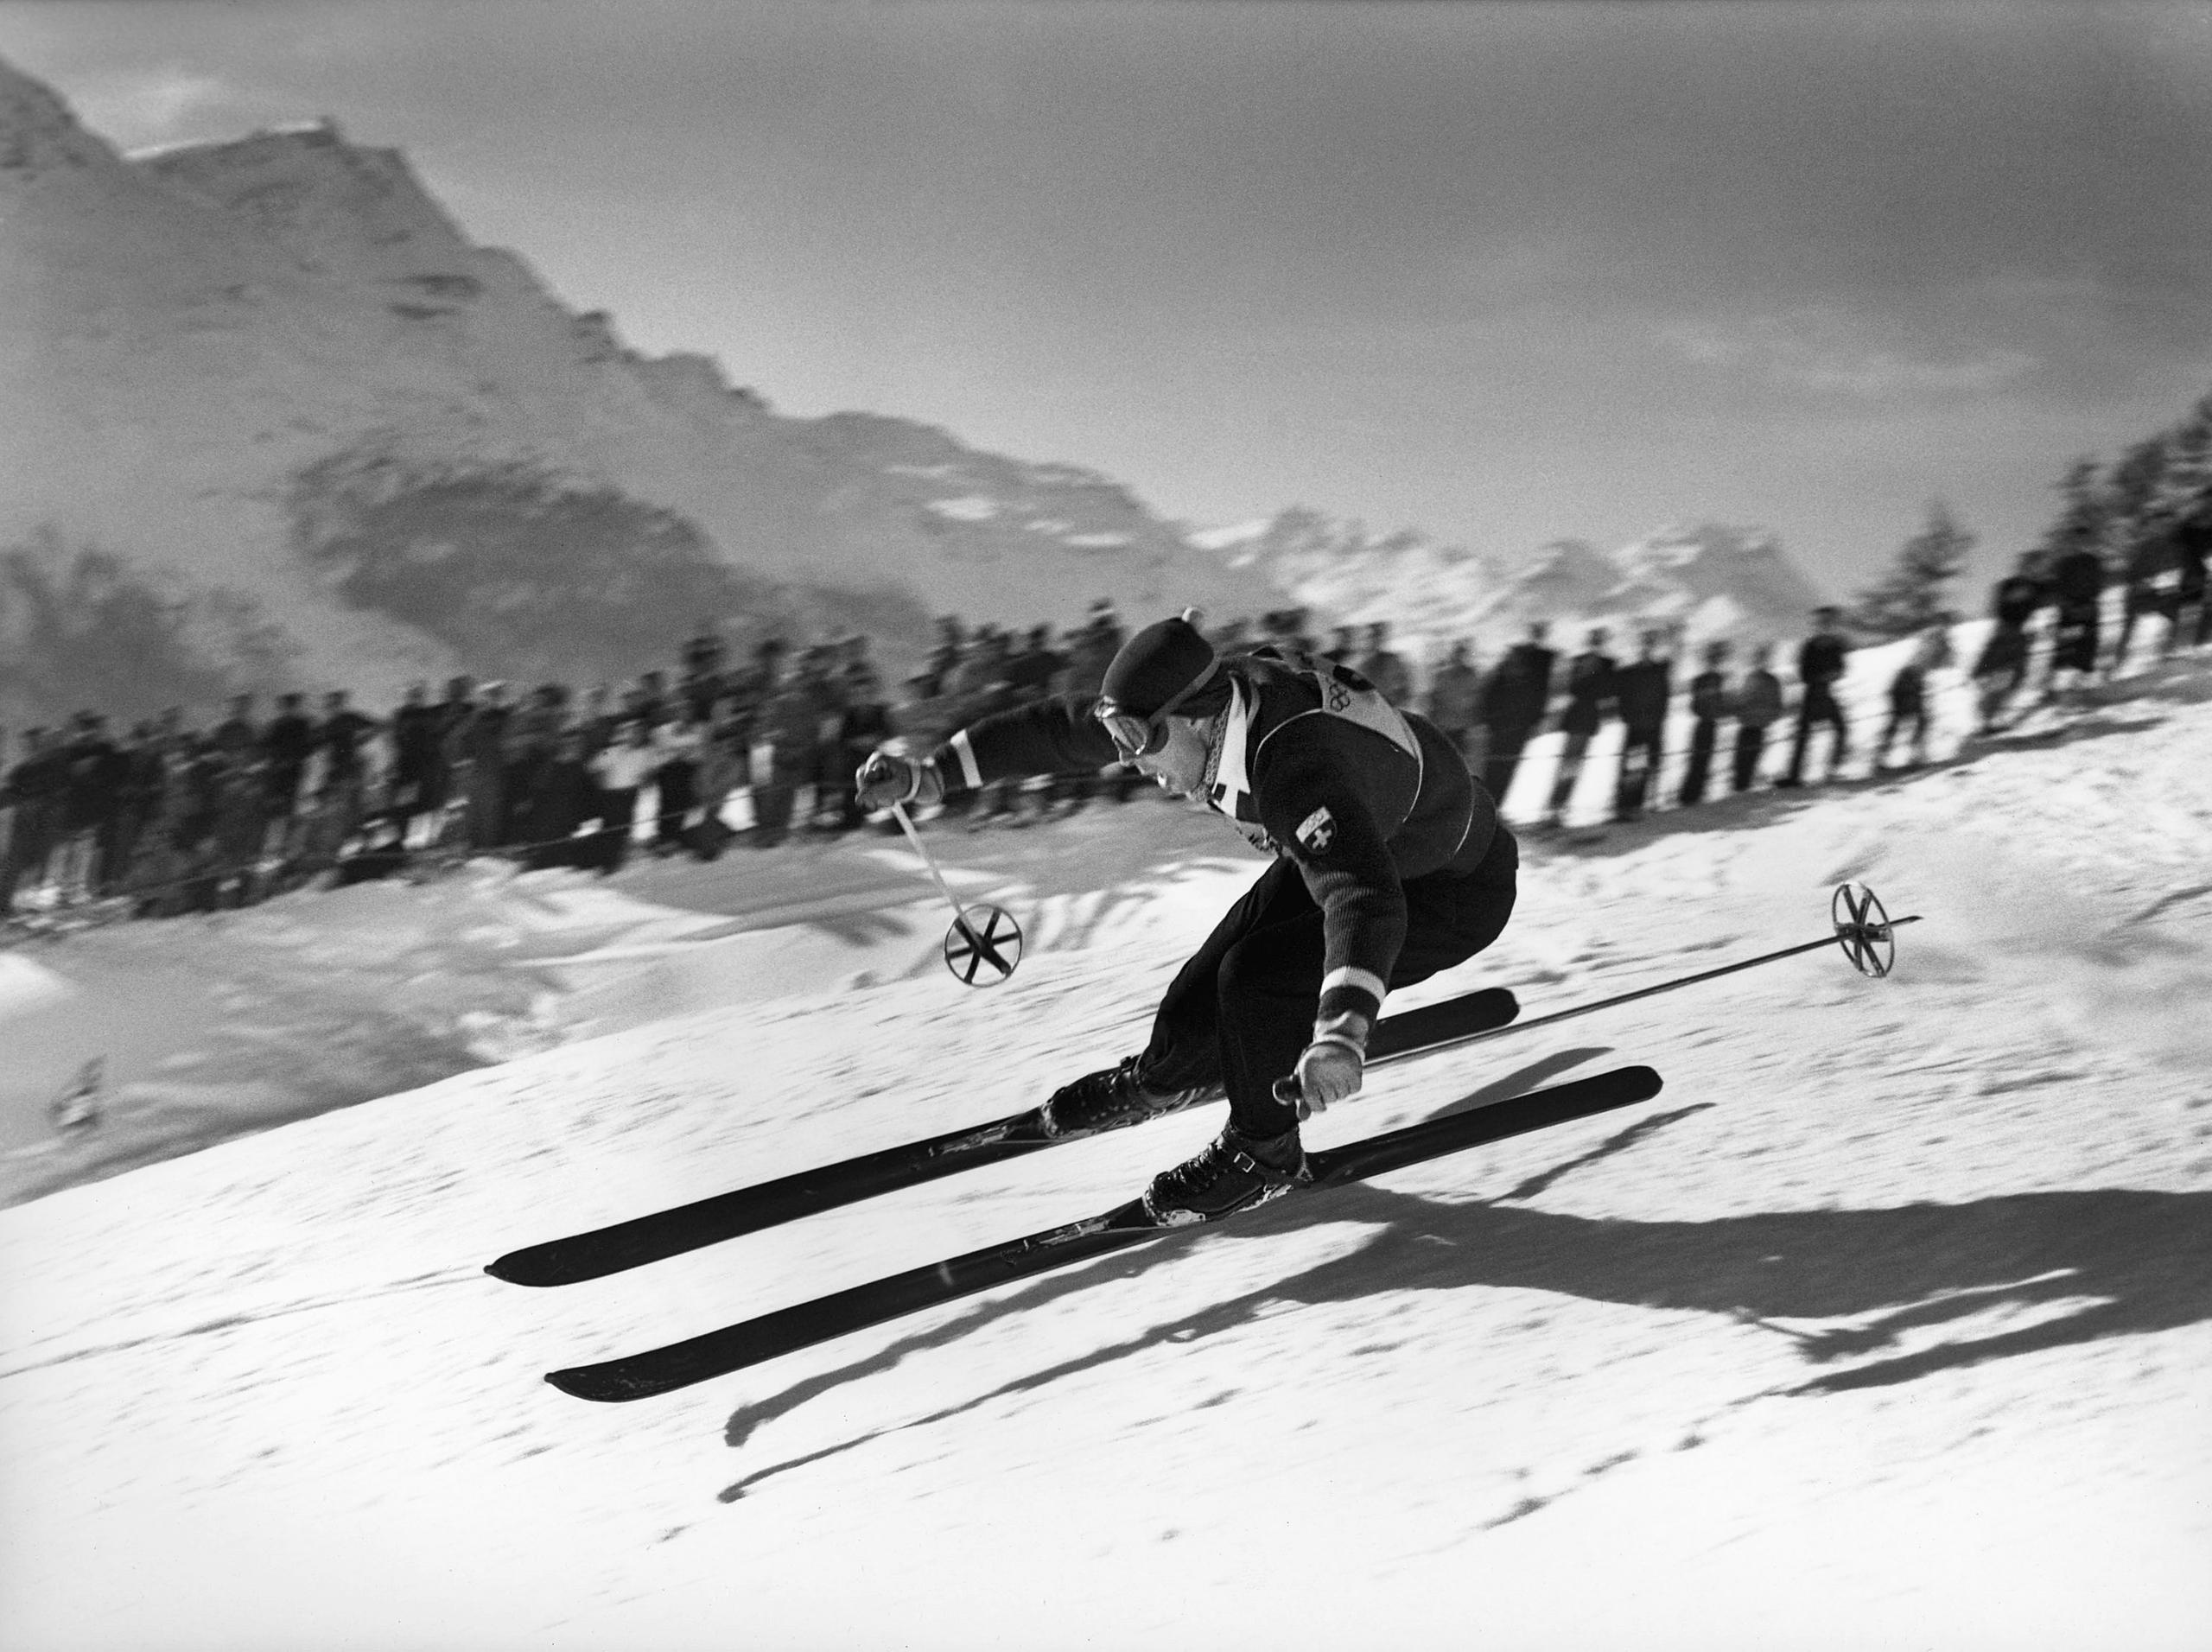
[(2091, 1263)]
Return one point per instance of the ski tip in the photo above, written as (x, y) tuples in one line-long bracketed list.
[(514, 1268), (584, 1382), (1645, 1079)]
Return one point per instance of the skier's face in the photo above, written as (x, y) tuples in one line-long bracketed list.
[(1179, 766)]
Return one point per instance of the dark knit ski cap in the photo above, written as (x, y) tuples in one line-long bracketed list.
[(1159, 665)]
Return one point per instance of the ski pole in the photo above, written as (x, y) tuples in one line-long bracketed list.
[(1865, 928), (914, 837), (1861, 927), (970, 948)]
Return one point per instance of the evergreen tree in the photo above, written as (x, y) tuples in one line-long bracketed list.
[(2083, 520), (2139, 538), (2184, 493), (1910, 598)]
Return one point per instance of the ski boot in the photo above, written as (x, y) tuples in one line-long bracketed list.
[(1111, 1098), (1231, 1173)]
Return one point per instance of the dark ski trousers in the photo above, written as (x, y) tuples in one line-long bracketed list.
[(1239, 1013), (1642, 754), (1704, 738), (1819, 706), (1750, 745), (1502, 758)]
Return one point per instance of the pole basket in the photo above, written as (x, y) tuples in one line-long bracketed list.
[(1863, 930), (982, 946)]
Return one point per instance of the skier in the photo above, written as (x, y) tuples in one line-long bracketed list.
[(1392, 864)]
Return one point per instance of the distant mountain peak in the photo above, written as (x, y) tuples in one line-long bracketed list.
[(1709, 579), (39, 133)]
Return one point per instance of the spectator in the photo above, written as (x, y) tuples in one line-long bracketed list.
[(1035, 671), (1642, 691), (1909, 697), (286, 746), (161, 868), (2192, 541), (93, 794), (1455, 701), (2003, 666), (483, 749), (563, 797), (1821, 661), (34, 791), (724, 737), (2078, 586), (702, 671), (341, 738), (621, 769), (1589, 698), (832, 777), (238, 736), (449, 782), (595, 718), (138, 805), (1384, 669), (783, 757), (679, 741), (1758, 708), (418, 783), (533, 735), (1343, 650), (2152, 580), (240, 821), (1710, 702), (866, 725), (1514, 699)]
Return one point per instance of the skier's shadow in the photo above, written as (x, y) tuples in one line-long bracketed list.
[(2078, 1266)]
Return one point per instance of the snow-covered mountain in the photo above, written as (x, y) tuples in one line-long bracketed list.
[(1707, 580), (268, 396), (272, 416)]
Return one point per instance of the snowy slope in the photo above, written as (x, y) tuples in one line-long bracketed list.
[(1884, 1324)]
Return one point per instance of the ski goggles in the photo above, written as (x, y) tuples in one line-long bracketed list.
[(1138, 736)]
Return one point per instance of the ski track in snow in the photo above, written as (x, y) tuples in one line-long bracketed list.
[(1884, 1323)]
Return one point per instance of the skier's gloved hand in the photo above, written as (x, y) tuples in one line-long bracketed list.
[(1329, 1070), (887, 778)]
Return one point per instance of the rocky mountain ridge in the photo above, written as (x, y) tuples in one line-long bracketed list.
[(271, 379)]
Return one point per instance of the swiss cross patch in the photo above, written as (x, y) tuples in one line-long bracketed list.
[(1318, 830)]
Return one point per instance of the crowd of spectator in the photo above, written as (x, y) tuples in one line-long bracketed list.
[(167, 819)]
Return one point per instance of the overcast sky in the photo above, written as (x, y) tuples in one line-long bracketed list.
[(1505, 274)]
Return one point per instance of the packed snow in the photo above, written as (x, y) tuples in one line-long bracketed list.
[(1885, 1324)]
